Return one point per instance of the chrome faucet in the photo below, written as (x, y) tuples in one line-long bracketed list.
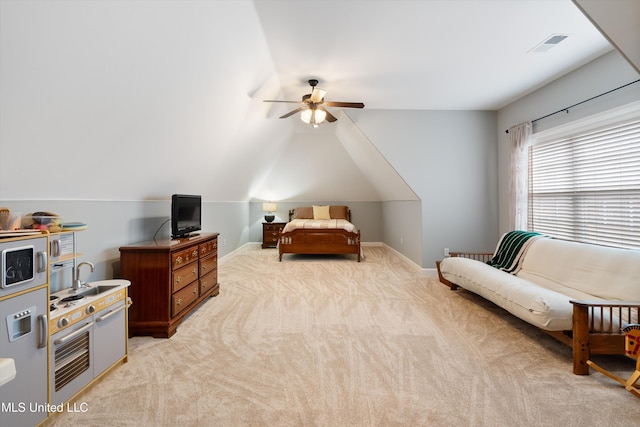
[(77, 283)]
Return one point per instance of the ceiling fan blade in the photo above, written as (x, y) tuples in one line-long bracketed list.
[(291, 113), (318, 94), (330, 117), (277, 100), (345, 104)]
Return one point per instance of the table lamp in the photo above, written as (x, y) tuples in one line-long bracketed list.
[(269, 207)]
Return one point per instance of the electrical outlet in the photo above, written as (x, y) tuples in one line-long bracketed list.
[(446, 251)]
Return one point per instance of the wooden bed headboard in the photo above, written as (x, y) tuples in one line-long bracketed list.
[(306, 212)]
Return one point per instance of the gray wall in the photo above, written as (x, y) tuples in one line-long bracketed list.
[(604, 74), (403, 235), (112, 224), (449, 159)]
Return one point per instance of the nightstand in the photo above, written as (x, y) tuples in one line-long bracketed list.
[(271, 233)]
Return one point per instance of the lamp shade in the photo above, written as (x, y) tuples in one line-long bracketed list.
[(313, 116), (269, 207)]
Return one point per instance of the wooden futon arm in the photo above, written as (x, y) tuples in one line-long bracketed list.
[(478, 256), (602, 316), (597, 329), (605, 303)]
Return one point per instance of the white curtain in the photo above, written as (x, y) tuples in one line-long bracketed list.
[(519, 139)]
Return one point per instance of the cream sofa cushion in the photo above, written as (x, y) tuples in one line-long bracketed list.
[(541, 307), (597, 271)]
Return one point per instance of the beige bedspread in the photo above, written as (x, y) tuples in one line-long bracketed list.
[(320, 224)]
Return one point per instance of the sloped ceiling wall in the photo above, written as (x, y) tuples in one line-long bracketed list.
[(314, 166), (105, 102), (619, 22), (388, 183), (150, 99)]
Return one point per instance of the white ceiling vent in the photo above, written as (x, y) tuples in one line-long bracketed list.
[(549, 42)]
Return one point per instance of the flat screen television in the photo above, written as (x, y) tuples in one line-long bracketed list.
[(185, 214)]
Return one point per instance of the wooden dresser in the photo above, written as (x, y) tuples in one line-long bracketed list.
[(169, 279), (271, 233)]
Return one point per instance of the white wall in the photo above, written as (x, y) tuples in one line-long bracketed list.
[(314, 166), (602, 75), (111, 100), (619, 22)]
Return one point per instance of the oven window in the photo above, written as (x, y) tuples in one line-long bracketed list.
[(18, 265)]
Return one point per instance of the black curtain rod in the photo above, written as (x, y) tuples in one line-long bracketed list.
[(581, 102)]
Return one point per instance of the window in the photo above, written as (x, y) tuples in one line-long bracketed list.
[(584, 183)]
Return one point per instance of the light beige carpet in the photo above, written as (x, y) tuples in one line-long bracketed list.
[(327, 341)]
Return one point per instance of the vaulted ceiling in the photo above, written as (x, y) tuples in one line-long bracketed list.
[(161, 97), (423, 55)]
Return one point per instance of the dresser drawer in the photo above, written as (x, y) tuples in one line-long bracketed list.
[(208, 248), (271, 238), (208, 264), (209, 281), (183, 276), (273, 227), (182, 299), (271, 233), (184, 257)]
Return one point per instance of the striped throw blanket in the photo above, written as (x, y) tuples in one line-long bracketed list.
[(511, 247)]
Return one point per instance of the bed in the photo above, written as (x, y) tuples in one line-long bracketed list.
[(319, 230)]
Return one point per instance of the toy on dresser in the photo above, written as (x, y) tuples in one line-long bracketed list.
[(8, 220)]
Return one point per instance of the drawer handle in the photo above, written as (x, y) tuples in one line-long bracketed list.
[(178, 279), (179, 302), (195, 290), (179, 260), (194, 253), (195, 271)]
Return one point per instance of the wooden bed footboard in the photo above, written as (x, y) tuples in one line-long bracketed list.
[(324, 241)]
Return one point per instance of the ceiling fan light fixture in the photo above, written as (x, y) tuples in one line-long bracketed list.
[(313, 116), (312, 111)]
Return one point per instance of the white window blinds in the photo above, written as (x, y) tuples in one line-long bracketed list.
[(586, 187)]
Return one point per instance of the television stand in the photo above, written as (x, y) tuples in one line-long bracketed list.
[(170, 278)]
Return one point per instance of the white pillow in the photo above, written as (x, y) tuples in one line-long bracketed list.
[(321, 212)]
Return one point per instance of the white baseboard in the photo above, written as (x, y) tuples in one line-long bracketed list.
[(401, 255), (426, 272)]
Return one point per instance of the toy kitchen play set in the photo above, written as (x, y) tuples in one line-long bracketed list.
[(55, 340)]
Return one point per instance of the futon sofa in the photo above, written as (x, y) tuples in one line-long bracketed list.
[(581, 294)]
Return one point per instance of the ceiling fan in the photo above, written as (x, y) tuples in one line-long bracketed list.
[(313, 110)]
